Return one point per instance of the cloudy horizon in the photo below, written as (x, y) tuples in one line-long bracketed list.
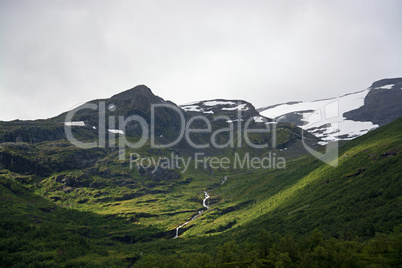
[(57, 54)]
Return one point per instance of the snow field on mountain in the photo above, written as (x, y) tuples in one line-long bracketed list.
[(325, 118)]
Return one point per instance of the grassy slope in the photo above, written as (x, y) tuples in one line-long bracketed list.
[(360, 196)]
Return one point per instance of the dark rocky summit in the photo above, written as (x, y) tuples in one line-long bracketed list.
[(381, 105)]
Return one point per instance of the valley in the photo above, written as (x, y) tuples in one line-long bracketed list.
[(63, 205)]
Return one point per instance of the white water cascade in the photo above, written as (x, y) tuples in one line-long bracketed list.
[(224, 180), (177, 229), (193, 218), (205, 199)]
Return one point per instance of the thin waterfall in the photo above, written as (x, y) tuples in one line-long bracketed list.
[(204, 204), (205, 199), (193, 218)]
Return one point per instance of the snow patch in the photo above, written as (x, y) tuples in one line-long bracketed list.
[(258, 119), (346, 129), (389, 86), (238, 107), (116, 131), (346, 103), (235, 120), (75, 123), (327, 121), (192, 108), (214, 103)]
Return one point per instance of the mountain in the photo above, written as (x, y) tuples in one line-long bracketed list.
[(85, 122), (109, 118), (229, 108), (255, 217), (64, 205), (136, 101), (346, 117), (41, 148)]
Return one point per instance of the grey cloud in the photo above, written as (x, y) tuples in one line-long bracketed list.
[(55, 54)]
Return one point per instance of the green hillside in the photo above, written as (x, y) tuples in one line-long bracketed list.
[(103, 213)]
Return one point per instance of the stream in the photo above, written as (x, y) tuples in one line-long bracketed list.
[(193, 218), (205, 199)]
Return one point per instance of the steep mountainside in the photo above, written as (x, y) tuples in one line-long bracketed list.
[(129, 114), (382, 105), (137, 101), (61, 205), (109, 215), (346, 117)]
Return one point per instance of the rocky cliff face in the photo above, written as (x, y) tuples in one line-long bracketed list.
[(382, 105)]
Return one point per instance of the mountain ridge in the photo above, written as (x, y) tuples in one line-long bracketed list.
[(352, 115), (62, 205), (109, 216), (168, 122)]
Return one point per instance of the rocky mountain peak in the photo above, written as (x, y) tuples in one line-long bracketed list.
[(387, 81), (137, 98), (135, 92)]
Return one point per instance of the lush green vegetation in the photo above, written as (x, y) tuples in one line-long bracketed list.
[(275, 250), (307, 215)]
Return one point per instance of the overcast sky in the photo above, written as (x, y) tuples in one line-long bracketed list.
[(57, 54)]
